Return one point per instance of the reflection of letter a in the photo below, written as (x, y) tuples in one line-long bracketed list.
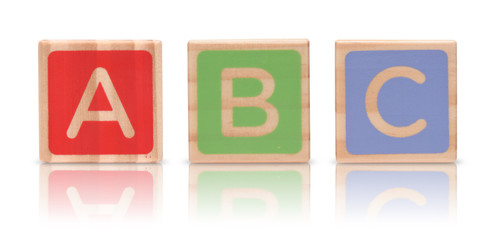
[(85, 211)]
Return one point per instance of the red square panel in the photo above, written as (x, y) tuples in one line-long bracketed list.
[(69, 73)]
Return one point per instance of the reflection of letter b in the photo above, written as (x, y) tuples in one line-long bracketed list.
[(229, 102), (230, 194)]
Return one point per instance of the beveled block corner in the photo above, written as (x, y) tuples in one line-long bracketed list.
[(248, 101), (396, 101), (100, 101)]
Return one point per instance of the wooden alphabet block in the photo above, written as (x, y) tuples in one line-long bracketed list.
[(396, 101), (257, 192), (248, 101), (374, 192), (108, 192), (100, 101)]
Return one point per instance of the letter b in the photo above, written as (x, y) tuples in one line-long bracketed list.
[(229, 102)]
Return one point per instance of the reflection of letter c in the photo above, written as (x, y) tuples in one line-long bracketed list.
[(373, 110), (392, 194)]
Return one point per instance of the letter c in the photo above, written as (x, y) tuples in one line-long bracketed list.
[(373, 110)]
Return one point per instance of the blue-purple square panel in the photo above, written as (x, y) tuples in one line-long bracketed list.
[(400, 101)]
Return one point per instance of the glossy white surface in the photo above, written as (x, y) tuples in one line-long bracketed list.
[(22, 202)]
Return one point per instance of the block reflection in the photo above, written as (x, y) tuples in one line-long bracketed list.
[(249, 192), (385, 192), (100, 192)]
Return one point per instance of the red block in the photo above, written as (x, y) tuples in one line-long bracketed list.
[(100, 101)]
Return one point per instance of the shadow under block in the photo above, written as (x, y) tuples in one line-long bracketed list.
[(100, 101), (396, 101), (248, 101)]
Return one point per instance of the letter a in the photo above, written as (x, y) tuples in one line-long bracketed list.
[(229, 102), (100, 75)]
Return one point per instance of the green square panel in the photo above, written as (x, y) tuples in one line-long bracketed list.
[(285, 68)]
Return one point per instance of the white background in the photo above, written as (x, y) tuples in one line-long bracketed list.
[(24, 23)]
